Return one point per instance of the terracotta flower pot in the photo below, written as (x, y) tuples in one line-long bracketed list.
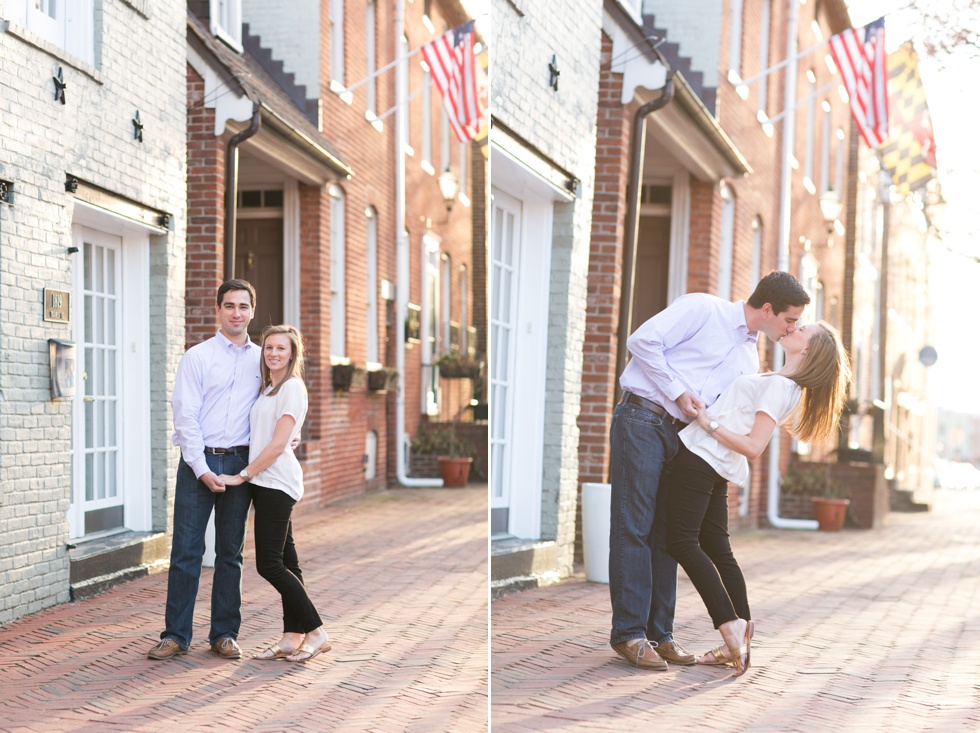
[(455, 471), (830, 513)]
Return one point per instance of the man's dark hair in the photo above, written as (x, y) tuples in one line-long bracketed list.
[(229, 285), (780, 290)]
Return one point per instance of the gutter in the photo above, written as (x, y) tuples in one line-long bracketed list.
[(231, 187), (279, 123)]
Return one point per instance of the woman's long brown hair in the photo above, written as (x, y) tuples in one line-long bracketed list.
[(824, 376)]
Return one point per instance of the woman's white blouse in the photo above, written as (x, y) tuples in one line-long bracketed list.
[(285, 474), (735, 410)]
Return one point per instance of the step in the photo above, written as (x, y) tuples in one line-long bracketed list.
[(97, 565)]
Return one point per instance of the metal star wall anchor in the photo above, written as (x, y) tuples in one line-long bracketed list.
[(554, 73), (137, 127), (59, 86)]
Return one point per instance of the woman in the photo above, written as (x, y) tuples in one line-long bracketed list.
[(277, 484), (713, 451)]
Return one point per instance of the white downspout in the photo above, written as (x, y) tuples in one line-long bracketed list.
[(403, 254), (782, 263)]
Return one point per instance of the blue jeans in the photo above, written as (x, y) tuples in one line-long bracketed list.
[(642, 575), (193, 502)]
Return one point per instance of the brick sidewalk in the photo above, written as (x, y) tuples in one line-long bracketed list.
[(400, 579), (856, 631)]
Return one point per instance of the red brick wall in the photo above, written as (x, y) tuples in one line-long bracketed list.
[(205, 215), (605, 274)]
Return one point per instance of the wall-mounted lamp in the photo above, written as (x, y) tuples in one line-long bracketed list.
[(71, 185), (164, 220), (72, 250), (830, 207), (6, 192), (553, 73), (449, 188)]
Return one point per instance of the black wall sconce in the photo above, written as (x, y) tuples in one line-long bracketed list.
[(71, 185), (137, 127), (164, 220), (6, 192), (59, 86)]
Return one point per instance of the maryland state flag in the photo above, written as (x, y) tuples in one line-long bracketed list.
[(909, 153)]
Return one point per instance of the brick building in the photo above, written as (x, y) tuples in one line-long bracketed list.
[(316, 203), (92, 239)]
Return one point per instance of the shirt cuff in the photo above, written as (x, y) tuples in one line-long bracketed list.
[(674, 390), (199, 467)]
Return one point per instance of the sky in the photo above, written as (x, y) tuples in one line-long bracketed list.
[(954, 106)]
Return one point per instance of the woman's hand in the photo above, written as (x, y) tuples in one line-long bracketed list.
[(703, 418), (228, 480)]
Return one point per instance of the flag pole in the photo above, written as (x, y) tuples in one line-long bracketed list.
[(775, 67), (818, 92)]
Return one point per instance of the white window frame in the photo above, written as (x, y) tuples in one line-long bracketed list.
[(755, 266), (373, 354), (839, 177), (445, 152), (406, 83), (726, 246), (735, 37), (72, 28), (764, 40), (825, 149), (338, 274), (226, 22), (811, 123), (337, 71), (427, 122), (464, 311), (370, 52), (429, 322), (464, 196)]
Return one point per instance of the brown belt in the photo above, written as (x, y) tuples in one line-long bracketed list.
[(652, 407)]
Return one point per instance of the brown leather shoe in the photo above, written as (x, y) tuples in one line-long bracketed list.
[(675, 653), (641, 655), (227, 648), (165, 649)]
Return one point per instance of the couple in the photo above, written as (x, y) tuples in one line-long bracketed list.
[(694, 409), (238, 411)]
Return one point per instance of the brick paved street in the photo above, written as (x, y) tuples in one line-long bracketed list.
[(400, 578), (865, 630)]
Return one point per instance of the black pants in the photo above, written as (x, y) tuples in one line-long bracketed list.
[(276, 559), (697, 536)]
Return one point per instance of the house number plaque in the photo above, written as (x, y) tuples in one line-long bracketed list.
[(57, 306)]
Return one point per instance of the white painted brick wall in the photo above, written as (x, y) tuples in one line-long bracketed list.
[(695, 25), (90, 137), (292, 30), (562, 125)]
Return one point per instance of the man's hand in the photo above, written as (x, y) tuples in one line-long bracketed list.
[(295, 442), (690, 403), (231, 480), (212, 482)]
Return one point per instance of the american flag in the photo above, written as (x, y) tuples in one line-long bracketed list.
[(862, 62), (453, 66)]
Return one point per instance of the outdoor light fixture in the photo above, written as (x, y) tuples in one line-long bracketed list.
[(449, 188), (830, 207), (71, 185)]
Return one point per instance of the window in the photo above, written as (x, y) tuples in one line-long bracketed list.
[(811, 123), (763, 59), (427, 122), (463, 190), (755, 268), (370, 50), (445, 157), (464, 312), (825, 149), (337, 44), (67, 24), (840, 161), (735, 37), (373, 349), (338, 276), (445, 280), (727, 245), (226, 22)]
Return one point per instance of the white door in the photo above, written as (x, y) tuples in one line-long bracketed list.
[(98, 495), (505, 227)]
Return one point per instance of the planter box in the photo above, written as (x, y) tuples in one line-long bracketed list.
[(344, 376), (459, 370), (382, 380)]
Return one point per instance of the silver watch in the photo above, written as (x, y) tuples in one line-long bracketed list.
[(713, 426), (244, 473)]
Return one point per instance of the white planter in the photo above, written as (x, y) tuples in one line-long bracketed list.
[(596, 500)]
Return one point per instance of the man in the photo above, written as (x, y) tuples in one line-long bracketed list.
[(217, 382), (682, 359)]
